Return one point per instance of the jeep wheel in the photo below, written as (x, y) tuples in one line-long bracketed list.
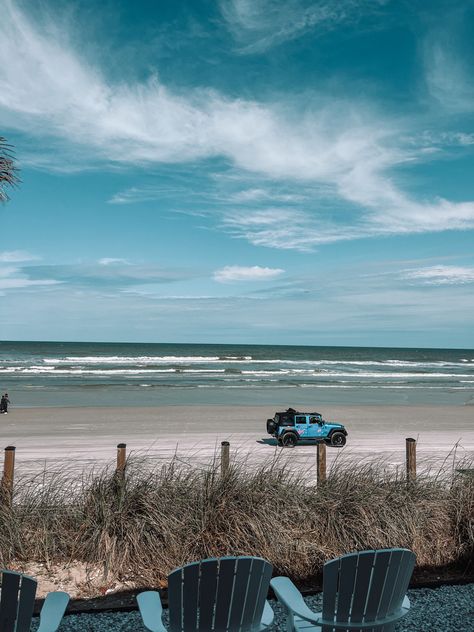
[(289, 440), (338, 439)]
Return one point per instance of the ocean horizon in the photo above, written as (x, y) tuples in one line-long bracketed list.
[(154, 374)]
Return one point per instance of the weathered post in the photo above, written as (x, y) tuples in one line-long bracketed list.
[(225, 458), (121, 457), (8, 475), (411, 459), (321, 462)]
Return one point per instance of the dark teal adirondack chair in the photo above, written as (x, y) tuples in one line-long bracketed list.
[(361, 591), (225, 594), (17, 598)]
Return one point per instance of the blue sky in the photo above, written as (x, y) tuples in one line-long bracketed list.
[(241, 171)]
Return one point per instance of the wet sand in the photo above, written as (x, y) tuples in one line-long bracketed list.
[(83, 437)]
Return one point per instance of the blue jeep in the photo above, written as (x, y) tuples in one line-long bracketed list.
[(292, 426)]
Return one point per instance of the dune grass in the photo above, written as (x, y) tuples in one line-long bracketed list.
[(150, 521)]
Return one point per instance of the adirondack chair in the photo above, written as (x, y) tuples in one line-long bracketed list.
[(17, 598), (225, 594), (361, 591)]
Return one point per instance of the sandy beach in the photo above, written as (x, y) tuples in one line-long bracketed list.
[(83, 437)]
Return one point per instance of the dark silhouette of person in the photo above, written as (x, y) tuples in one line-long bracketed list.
[(4, 403)]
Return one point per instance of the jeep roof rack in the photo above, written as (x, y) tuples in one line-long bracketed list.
[(292, 411)]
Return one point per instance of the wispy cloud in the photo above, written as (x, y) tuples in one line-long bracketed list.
[(441, 275), (258, 25), (284, 228), (16, 283), (263, 195), (447, 71), (139, 194), (348, 147), (16, 256), (110, 272), (435, 140), (297, 229), (107, 261), (14, 277), (242, 273), (107, 274)]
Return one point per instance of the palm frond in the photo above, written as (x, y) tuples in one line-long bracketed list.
[(8, 169)]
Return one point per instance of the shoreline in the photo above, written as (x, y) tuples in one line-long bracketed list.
[(403, 405)]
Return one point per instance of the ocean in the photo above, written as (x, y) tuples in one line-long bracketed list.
[(129, 374)]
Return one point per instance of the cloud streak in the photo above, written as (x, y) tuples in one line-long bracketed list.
[(448, 77), (441, 275), (258, 25), (229, 274), (16, 256)]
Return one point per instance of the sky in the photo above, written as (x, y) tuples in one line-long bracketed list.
[(239, 171)]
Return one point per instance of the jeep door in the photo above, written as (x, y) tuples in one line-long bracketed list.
[(301, 425)]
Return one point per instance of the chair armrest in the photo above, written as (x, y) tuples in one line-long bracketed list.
[(53, 611), (267, 616), (151, 610), (292, 599)]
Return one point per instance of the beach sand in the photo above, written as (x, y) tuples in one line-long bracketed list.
[(86, 437)]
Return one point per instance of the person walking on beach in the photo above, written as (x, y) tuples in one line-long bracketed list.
[(4, 404)]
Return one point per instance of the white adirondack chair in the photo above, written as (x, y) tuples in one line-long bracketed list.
[(225, 594), (17, 598), (361, 591)]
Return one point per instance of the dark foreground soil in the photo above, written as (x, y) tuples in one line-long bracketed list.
[(126, 600)]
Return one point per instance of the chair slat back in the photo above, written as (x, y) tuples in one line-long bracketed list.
[(17, 599), (406, 565), (207, 594), (224, 595), (257, 593), (190, 596), (366, 587), (26, 603), (347, 576)]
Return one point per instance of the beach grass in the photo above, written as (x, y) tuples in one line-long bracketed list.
[(151, 520)]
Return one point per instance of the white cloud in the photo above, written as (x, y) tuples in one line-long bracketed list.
[(135, 195), (289, 228), (12, 277), (430, 140), (107, 261), (47, 88), (260, 24), (263, 195), (441, 275), (241, 273), (463, 139), (283, 228), (448, 76), (17, 283), (16, 256)]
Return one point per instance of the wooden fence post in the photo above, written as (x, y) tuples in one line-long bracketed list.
[(121, 457), (411, 459), (225, 458), (321, 462), (8, 474)]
